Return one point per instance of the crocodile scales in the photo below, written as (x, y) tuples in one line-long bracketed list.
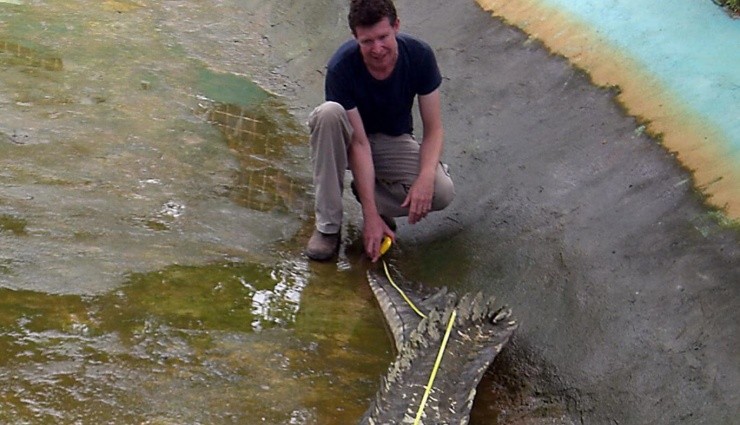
[(479, 333)]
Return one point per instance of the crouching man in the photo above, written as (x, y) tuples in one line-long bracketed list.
[(366, 125)]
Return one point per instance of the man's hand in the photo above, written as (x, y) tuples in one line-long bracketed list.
[(421, 193), (361, 164), (419, 198), (374, 229)]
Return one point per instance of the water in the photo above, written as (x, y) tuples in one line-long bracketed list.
[(107, 156), (220, 344), (152, 206)]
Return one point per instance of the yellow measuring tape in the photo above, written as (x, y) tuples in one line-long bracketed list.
[(403, 294), (436, 367), (430, 384)]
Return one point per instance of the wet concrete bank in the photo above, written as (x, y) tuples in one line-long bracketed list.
[(625, 285)]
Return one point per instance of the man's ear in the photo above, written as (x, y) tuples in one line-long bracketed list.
[(396, 25)]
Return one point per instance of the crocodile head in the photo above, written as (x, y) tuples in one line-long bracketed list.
[(418, 323)]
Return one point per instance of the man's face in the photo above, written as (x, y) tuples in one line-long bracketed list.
[(378, 45)]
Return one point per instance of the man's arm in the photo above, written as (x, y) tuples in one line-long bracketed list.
[(363, 170), (419, 198)]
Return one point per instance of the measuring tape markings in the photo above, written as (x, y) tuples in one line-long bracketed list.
[(440, 353)]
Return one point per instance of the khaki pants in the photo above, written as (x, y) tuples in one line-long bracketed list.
[(396, 161)]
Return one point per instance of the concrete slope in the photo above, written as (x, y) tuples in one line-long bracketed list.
[(675, 66), (586, 227)]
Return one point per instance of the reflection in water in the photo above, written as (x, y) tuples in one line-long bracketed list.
[(179, 346), (108, 166), (11, 52), (263, 147), (12, 224), (285, 296)]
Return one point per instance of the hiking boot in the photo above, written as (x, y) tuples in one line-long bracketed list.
[(322, 246)]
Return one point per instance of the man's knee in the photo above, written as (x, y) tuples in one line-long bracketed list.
[(444, 190), (443, 197), (327, 112)]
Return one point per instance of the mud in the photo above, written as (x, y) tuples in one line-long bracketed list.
[(623, 281)]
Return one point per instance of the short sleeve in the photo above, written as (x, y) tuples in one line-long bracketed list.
[(337, 89), (430, 78)]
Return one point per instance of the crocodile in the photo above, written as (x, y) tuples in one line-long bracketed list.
[(418, 320)]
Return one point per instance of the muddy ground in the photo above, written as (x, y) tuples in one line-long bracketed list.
[(625, 286)]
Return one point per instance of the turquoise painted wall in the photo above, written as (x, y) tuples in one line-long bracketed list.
[(691, 46)]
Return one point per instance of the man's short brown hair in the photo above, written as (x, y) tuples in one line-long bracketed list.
[(366, 13)]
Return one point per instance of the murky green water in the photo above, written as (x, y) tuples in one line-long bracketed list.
[(227, 343), (152, 205), (107, 158)]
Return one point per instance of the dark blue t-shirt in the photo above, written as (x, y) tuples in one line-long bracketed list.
[(384, 105)]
